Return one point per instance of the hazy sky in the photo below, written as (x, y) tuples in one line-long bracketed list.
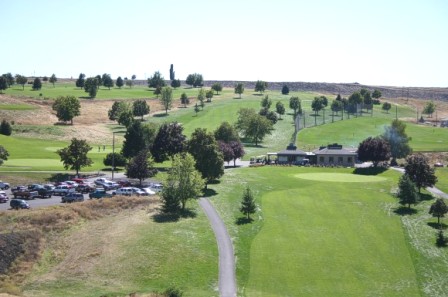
[(393, 42)]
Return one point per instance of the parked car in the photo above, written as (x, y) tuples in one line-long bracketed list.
[(79, 181), (139, 192), (124, 183), (101, 180), (43, 191), (26, 194), (3, 197), (99, 193), (49, 187), (156, 187), (18, 188), (148, 191), (85, 188), (72, 197), (19, 204), (4, 186), (32, 187), (110, 186), (61, 190), (71, 183), (438, 164), (125, 191)]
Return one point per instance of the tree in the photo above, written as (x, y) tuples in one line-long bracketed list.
[(226, 151), (175, 83), (117, 108), (367, 99), (317, 105), (226, 133), (133, 77), (9, 79), (3, 84), (429, 108), (119, 82), (140, 108), (141, 166), (396, 136), (205, 150), (195, 80), (45, 79), (242, 123), (184, 183), (126, 117), (5, 128), (129, 83), (168, 142), (285, 90), (134, 140), (196, 109), (296, 105), (376, 94), (201, 97), (172, 74), (438, 209), (21, 80), (67, 108), (108, 82), (99, 81), (37, 84), (91, 86), (266, 102), (209, 95), (336, 106), (217, 87), (280, 108), (156, 81), (3, 154), (167, 98), (258, 127), (419, 171), (158, 91), (75, 155), (407, 193), (80, 81), (53, 79), (354, 100), (248, 206), (239, 89), (115, 160), (260, 86), (184, 99), (374, 149), (386, 106), (238, 150)]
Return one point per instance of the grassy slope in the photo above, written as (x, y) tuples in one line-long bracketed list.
[(442, 177)]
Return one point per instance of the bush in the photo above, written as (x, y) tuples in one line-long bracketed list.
[(441, 241), (5, 128)]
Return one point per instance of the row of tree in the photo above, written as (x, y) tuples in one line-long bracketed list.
[(7, 80)]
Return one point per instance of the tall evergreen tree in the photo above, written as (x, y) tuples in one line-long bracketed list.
[(141, 166), (134, 140), (169, 141), (5, 128), (407, 193), (248, 205), (438, 209)]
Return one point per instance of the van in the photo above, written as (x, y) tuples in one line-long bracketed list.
[(19, 204), (72, 197)]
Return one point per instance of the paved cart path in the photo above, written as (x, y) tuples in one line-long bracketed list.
[(227, 280)]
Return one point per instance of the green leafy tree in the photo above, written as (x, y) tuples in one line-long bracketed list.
[(134, 77), (386, 106), (9, 79), (134, 140), (209, 95), (184, 99), (398, 140), (74, 157), (141, 166), (261, 86), (248, 205), (296, 105), (3, 154), (115, 160), (158, 91), (201, 97), (195, 80), (407, 193), (238, 150), (438, 209), (167, 98), (129, 83), (239, 89), (175, 83), (196, 109), (45, 79), (280, 108), (374, 149), (21, 80), (119, 82), (67, 108), (285, 90), (3, 84), (217, 87), (108, 82), (117, 108), (5, 128), (99, 80), (126, 117), (169, 141), (258, 127), (140, 108), (376, 94), (37, 84), (53, 79), (81, 81), (429, 108), (91, 86), (317, 105), (205, 150), (266, 102), (336, 106), (419, 171), (272, 116), (156, 81), (184, 183), (226, 133), (242, 123), (354, 100)]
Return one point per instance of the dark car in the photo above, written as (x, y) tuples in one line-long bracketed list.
[(85, 188), (19, 204), (43, 191), (99, 193), (72, 197)]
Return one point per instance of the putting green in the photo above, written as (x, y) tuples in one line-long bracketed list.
[(340, 177)]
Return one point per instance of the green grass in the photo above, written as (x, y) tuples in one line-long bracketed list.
[(442, 177), (16, 107)]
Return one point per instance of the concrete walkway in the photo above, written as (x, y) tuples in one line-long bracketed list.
[(227, 279)]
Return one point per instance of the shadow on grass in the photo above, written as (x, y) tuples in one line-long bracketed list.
[(246, 144), (160, 115), (59, 177), (209, 193), (174, 217), (405, 211), (86, 97), (243, 221), (237, 98), (257, 94), (108, 169), (369, 170), (425, 197), (437, 226)]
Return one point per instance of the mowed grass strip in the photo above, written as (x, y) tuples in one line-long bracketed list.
[(330, 240), (17, 107)]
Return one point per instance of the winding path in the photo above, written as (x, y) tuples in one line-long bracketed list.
[(227, 280)]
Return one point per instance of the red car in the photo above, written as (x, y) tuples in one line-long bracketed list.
[(79, 180)]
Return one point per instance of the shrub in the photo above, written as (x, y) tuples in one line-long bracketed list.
[(5, 128)]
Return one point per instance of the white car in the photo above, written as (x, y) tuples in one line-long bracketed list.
[(4, 186), (148, 191), (100, 181), (156, 187), (125, 191), (139, 192)]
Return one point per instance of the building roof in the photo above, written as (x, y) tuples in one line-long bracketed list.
[(335, 149), (295, 152)]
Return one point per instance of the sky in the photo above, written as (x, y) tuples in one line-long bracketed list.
[(380, 42)]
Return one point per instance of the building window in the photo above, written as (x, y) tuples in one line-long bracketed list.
[(349, 159), (321, 159), (330, 159), (340, 160)]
